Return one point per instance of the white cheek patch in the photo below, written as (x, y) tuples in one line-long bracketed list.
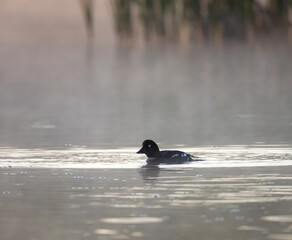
[(149, 145)]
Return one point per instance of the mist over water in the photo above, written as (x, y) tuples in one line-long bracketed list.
[(114, 90)]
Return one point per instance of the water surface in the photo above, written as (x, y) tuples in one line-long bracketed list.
[(146, 203), (238, 192)]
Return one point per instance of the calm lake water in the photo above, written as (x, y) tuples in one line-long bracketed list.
[(78, 97), (236, 193), (146, 203)]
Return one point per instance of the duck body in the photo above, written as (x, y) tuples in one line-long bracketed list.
[(155, 156)]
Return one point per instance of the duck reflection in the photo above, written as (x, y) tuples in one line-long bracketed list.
[(150, 172)]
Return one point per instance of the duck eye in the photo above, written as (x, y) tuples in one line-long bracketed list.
[(149, 145)]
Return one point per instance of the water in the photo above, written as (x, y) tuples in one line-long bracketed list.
[(157, 203), (221, 156), (237, 192), (77, 99)]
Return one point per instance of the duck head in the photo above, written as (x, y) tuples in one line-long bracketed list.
[(150, 148)]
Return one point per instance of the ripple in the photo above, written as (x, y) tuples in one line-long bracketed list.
[(105, 232), (132, 220), (280, 236), (279, 218)]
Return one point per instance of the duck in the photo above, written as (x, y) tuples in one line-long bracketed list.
[(155, 156)]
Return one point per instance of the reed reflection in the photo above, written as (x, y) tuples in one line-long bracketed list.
[(187, 21)]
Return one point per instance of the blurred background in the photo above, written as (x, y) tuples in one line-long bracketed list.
[(110, 73)]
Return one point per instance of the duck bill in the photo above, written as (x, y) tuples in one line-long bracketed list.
[(142, 150)]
